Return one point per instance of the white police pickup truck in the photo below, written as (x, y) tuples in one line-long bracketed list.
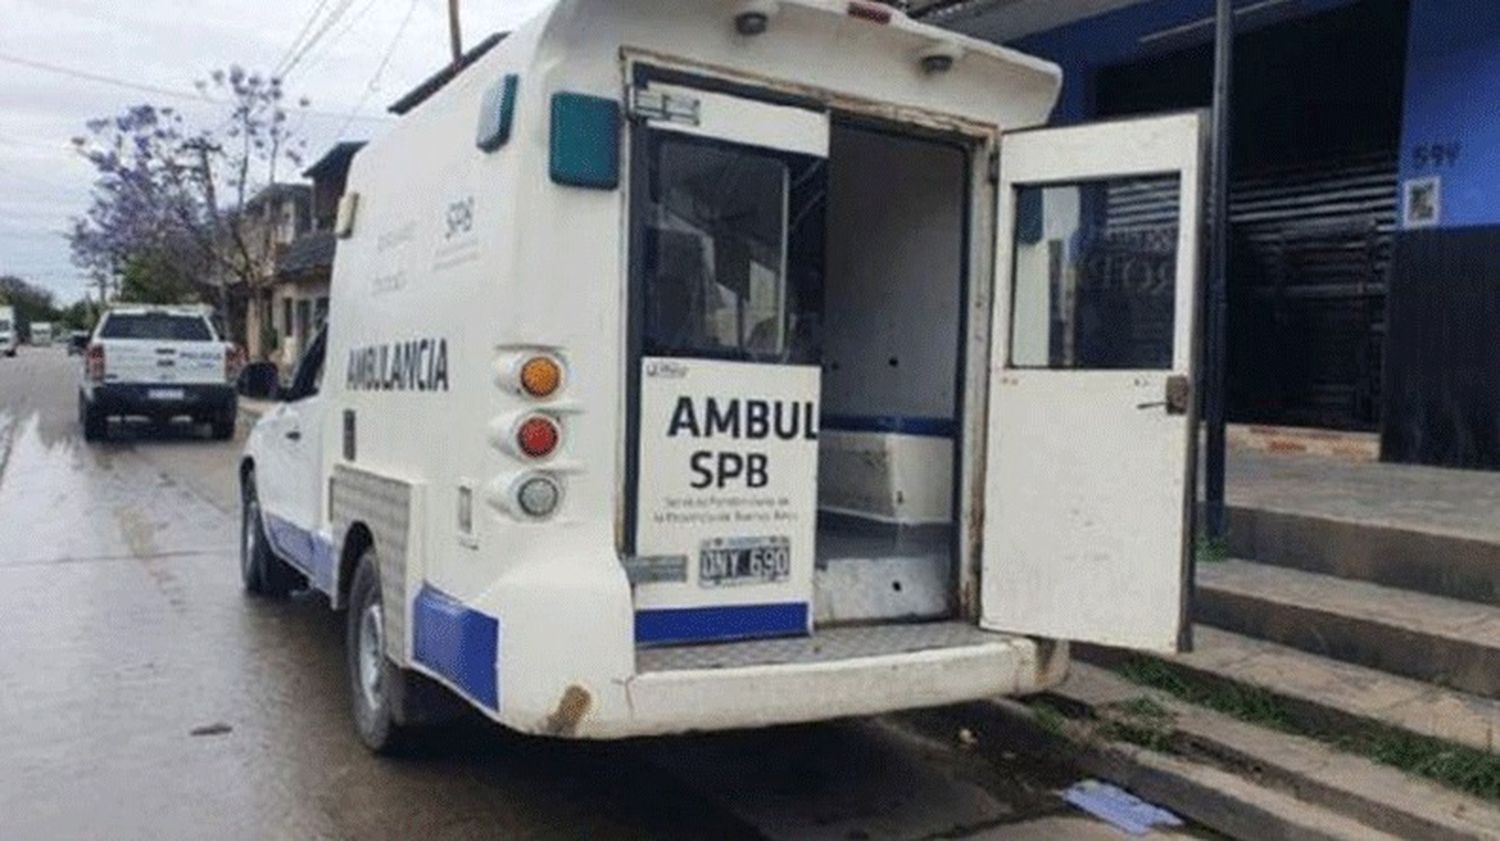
[(160, 363), (711, 365)]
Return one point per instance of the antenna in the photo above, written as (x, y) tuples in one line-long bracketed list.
[(455, 34)]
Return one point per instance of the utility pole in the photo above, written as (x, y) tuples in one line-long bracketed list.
[(1216, 357), (455, 34)]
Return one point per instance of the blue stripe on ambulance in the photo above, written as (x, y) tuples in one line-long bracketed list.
[(720, 624), (311, 553), (457, 643)]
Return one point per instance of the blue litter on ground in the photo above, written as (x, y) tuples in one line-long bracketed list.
[(1119, 808)]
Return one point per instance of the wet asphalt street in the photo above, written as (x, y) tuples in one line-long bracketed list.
[(142, 696)]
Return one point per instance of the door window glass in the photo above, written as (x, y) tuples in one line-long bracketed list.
[(733, 256), (1096, 274), (308, 379)]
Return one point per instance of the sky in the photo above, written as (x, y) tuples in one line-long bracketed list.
[(168, 45)]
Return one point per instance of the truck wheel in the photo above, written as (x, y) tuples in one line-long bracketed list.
[(375, 683), (222, 426), (262, 572), (95, 423)]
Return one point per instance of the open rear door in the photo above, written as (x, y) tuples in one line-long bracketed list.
[(1092, 403)]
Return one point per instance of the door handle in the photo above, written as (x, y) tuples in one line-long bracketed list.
[(294, 435), (1179, 397)]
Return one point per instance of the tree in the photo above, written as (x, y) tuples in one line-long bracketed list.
[(82, 314), (31, 302), (151, 278), (173, 206)]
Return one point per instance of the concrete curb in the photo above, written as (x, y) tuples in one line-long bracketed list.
[(1226, 803)]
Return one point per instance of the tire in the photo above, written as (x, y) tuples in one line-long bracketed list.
[(262, 573), (375, 683), (221, 428), (95, 423)]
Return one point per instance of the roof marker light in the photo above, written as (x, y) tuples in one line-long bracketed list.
[(753, 17)]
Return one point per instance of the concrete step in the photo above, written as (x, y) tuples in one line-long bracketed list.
[(1328, 695), (1226, 802), (1443, 641), (1452, 563), (1377, 796)]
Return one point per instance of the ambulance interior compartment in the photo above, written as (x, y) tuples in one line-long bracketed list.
[(893, 314)]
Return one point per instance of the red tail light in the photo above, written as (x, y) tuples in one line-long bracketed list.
[(538, 436), (93, 363)]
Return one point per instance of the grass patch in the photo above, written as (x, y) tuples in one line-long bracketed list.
[(1141, 721), (1211, 550), (1050, 719), (1465, 769)]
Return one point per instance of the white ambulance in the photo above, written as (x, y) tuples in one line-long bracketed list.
[(723, 364)]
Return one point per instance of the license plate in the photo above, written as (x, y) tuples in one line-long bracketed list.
[(735, 561), (165, 394)]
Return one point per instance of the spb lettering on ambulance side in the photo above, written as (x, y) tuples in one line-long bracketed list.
[(739, 420)]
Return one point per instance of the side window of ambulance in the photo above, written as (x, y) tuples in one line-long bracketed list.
[(309, 376)]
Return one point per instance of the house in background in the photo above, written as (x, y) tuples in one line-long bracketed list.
[(295, 304), (277, 217)]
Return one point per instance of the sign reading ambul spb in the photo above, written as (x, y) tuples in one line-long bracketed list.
[(727, 499)]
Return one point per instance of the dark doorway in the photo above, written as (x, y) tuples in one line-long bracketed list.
[(1317, 112)]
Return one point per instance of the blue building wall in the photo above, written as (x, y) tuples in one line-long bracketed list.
[(1451, 127), (1115, 37)]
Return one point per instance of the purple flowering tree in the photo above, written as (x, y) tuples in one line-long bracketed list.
[(173, 204)]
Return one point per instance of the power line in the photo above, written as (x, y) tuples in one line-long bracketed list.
[(320, 55), (297, 41), (385, 60), (143, 87), (333, 18)]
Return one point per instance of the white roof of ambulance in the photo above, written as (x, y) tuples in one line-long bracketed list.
[(576, 45)]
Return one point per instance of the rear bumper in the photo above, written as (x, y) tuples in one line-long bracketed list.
[(759, 696), (701, 699), (131, 399)]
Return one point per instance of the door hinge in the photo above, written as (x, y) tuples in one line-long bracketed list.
[(650, 105)]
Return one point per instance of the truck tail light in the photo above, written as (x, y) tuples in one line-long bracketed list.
[(538, 436), (538, 496), (541, 376), (94, 363), (873, 12)]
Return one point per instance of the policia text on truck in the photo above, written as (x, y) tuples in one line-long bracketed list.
[(703, 375)]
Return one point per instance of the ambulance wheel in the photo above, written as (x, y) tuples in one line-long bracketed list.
[(375, 683), (262, 573)]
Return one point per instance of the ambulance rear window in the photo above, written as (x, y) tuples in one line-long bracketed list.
[(157, 326), (733, 252)]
